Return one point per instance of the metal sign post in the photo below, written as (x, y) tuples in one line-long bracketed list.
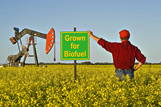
[(75, 63)]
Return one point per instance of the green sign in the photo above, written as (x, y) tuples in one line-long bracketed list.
[(74, 46)]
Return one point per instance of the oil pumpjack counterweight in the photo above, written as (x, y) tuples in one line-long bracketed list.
[(14, 60)]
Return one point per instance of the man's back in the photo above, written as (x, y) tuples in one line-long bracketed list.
[(124, 53)]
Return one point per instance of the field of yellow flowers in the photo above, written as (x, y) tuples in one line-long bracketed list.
[(96, 85)]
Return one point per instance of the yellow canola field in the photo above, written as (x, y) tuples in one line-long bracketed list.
[(96, 85)]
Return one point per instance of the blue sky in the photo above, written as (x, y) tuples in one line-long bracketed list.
[(104, 17)]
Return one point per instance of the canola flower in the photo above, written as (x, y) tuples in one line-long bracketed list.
[(96, 85)]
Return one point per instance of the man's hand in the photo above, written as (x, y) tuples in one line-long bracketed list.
[(90, 33), (133, 69), (93, 36)]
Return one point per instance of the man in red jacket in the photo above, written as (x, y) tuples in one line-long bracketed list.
[(123, 53)]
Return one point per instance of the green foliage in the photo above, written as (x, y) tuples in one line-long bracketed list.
[(96, 85)]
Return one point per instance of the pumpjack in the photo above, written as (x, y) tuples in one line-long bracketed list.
[(15, 60)]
